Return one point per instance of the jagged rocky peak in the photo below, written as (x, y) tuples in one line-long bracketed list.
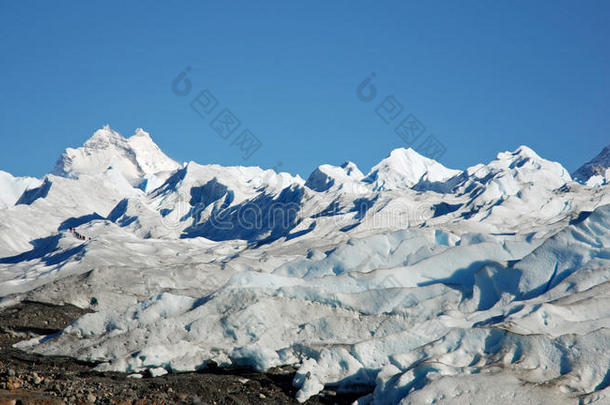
[(136, 157), (104, 138), (595, 172), (352, 170)]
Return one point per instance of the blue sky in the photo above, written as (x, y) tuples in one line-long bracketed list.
[(481, 77)]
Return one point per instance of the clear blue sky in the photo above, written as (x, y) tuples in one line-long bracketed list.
[(483, 77)]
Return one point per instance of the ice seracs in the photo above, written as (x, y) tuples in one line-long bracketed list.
[(398, 323), (412, 284)]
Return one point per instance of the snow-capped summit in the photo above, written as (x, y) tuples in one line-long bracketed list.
[(521, 166), (525, 165), (521, 173), (104, 138), (522, 152), (596, 171), (137, 157), (404, 168)]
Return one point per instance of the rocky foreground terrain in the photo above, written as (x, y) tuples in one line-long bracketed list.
[(28, 379)]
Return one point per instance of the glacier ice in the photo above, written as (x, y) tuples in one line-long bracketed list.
[(410, 284)]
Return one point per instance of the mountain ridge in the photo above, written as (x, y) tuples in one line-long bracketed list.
[(145, 165), (399, 280)]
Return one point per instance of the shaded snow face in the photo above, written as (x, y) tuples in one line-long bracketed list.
[(596, 172), (11, 188), (414, 283)]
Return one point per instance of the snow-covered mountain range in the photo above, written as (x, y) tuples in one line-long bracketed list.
[(413, 283)]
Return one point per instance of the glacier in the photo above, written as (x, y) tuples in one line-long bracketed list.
[(413, 283)]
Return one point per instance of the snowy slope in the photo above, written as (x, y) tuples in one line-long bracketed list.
[(412, 284), (11, 188), (393, 327), (57, 203)]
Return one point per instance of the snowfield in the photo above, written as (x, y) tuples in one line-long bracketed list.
[(412, 284)]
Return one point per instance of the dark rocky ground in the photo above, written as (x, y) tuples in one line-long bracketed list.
[(30, 379)]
